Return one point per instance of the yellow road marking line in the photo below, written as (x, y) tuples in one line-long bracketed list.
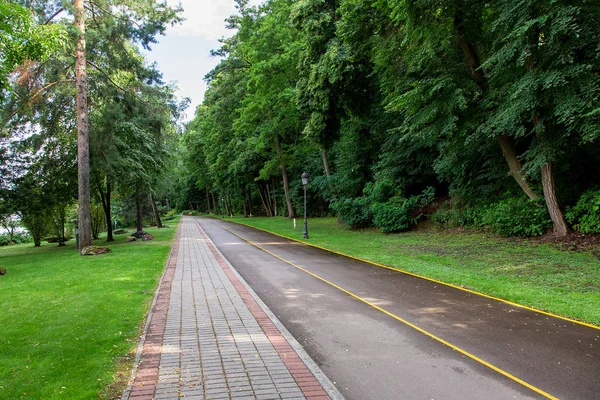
[(410, 324), (426, 278)]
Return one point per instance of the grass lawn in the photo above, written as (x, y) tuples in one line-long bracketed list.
[(68, 322), (537, 275)]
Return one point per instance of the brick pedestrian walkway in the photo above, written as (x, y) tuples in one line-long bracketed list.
[(209, 338)]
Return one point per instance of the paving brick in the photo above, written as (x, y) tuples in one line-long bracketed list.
[(209, 339)]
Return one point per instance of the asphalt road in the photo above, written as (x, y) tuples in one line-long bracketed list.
[(380, 334)]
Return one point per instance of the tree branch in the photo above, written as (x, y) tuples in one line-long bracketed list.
[(54, 16)]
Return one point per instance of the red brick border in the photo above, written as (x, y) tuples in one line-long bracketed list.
[(310, 386), (146, 376)]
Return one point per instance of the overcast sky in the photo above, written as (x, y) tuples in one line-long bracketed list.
[(183, 55)]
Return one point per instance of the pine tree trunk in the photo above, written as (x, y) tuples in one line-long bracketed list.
[(139, 215), (156, 214), (325, 162), (515, 167), (284, 176), (83, 152)]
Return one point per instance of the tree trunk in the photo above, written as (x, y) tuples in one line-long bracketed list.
[(215, 211), (506, 143), (207, 201), (138, 208), (156, 214), (107, 213), (265, 200), (559, 225), (515, 167), (325, 162), (83, 152), (250, 200), (284, 176), (105, 198)]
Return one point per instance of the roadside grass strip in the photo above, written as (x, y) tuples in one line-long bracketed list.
[(70, 324)]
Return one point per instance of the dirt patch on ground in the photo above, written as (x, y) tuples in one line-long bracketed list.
[(574, 241), (114, 390)]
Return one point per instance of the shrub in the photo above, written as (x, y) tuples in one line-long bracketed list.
[(452, 214), (355, 213), (18, 238), (585, 215), (401, 214), (515, 217), (56, 239)]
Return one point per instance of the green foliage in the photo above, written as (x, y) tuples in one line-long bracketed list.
[(18, 238), (356, 213), (21, 39), (400, 214), (452, 214), (585, 215), (515, 217)]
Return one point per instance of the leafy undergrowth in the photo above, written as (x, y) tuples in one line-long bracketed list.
[(68, 321), (527, 272)]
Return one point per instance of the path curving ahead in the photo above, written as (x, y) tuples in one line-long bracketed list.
[(209, 337)]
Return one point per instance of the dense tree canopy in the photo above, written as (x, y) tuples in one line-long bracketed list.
[(485, 112)]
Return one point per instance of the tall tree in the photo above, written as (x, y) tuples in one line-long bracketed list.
[(83, 151)]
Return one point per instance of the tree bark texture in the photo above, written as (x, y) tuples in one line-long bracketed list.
[(156, 214), (286, 185), (559, 225), (515, 167), (83, 152)]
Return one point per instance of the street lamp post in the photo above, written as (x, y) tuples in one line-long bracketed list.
[(223, 206), (304, 183)]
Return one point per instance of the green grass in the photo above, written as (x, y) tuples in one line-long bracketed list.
[(67, 321), (537, 275)]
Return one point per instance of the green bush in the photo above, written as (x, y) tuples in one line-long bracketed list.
[(452, 214), (18, 238), (56, 239), (585, 215), (515, 217), (355, 213), (401, 214)]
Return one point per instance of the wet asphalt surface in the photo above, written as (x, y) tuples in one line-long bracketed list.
[(370, 355)]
